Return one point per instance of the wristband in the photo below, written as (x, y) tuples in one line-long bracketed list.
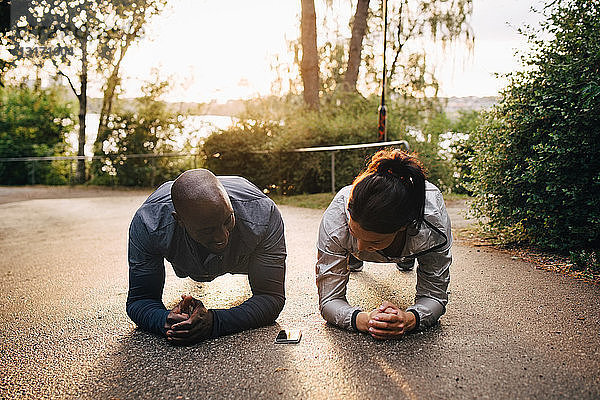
[(353, 320)]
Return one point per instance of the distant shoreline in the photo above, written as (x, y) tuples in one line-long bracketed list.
[(233, 108)]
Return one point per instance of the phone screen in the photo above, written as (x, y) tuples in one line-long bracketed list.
[(289, 336)]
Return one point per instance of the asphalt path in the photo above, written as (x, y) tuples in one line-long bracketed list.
[(511, 331)]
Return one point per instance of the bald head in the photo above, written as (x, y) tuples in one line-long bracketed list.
[(197, 187), (203, 208)]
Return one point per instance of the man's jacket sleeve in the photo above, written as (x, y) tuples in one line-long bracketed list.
[(146, 280), (266, 274)]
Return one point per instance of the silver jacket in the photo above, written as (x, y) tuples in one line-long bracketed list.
[(430, 245)]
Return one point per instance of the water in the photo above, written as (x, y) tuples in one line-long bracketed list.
[(195, 126)]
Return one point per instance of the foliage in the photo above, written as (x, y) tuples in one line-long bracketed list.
[(76, 37), (318, 201), (33, 123), (258, 145), (150, 129), (586, 260), (461, 148), (536, 170)]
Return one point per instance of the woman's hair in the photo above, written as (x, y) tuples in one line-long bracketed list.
[(390, 193)]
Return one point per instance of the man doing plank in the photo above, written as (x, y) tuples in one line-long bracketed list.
[(205, 226)]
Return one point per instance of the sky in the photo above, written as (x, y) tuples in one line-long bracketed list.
[(224, 49)]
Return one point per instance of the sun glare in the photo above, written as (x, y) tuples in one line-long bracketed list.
[(214, 50)]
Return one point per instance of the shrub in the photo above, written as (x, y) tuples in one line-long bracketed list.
[(462, 150), (151, 130), (33, 123), (536, 164), (257, 147)]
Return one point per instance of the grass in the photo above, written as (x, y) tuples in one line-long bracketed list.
[(316, 201), (322, 200), (456, 196)]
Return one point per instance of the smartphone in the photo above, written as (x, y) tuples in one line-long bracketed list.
[(289, 336)]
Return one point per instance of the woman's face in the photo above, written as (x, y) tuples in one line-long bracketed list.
[(368, 240)]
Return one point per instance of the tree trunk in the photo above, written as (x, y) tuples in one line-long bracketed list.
[(109, 95), (359, 27), (113, 80), (80, 174), (309, 67), (400, 43)]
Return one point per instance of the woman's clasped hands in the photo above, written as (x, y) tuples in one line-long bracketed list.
[(388, 321)]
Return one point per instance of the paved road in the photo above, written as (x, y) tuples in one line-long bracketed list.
[(511, 331)]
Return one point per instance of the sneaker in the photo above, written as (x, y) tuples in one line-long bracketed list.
[(406, 265)]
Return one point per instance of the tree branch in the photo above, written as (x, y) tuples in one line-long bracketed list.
[(70, 83), (68, 79)]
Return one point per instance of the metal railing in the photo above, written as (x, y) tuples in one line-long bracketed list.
[(335, 149), (332, 149)]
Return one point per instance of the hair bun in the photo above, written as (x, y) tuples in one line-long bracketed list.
[(387, 167), (397, 167)]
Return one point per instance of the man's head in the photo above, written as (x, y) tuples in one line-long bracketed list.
[(203, 208)]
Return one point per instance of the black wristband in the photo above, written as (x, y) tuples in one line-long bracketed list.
[(353, 321), (417, 321)]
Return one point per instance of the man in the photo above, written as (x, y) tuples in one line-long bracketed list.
[(205, 227)]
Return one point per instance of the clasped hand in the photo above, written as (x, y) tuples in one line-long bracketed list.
[(387, 321), (189, 322)]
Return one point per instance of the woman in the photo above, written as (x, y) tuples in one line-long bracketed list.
[(390, 214)]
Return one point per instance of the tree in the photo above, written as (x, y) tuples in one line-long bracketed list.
[(151, 129), (81, 35), (33, 123), (359, 27), (309, 68), (536, 165), (129, 27), (415, 22)]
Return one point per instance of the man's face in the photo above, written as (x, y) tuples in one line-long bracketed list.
[(209, 225)]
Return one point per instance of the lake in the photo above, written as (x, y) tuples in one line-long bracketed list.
[(203, 125)]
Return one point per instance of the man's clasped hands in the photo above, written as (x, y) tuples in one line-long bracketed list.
[(189, 322)]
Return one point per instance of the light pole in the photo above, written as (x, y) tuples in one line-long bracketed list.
[(381, 129)]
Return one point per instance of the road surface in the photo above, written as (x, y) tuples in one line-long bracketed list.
[(510, 331)]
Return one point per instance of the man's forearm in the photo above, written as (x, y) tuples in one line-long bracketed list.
[(150, 315), (259, 310)]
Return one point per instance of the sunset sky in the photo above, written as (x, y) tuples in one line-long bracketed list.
[(221, 50)]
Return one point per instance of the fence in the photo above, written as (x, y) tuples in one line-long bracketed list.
[(335, 149), (71, 160)]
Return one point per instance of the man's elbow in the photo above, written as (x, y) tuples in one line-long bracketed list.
[(129, 308), (271, 313), (279, 303)]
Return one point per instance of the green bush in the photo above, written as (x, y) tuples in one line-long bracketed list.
[(536, 170), (462, 149), (33, 123), (151, 130), (274, 127), (586, 260)]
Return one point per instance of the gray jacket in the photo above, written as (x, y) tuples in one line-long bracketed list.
[(430, 245)]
